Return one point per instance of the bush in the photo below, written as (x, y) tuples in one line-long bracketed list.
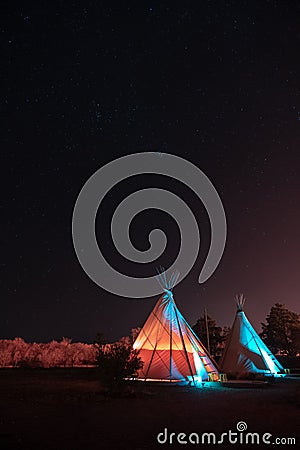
[(116, 362)]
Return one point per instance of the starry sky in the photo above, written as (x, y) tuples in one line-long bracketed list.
[(85, 82)]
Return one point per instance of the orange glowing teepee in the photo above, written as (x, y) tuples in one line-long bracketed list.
[(168, 346)]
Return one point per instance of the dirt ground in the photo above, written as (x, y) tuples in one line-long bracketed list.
[(65, 409)]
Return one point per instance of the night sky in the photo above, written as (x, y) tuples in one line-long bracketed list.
[(83, 83)]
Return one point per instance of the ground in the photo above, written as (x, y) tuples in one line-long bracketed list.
[(66, 409)]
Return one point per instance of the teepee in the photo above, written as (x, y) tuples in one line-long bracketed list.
[(245, 351), (168, 346)]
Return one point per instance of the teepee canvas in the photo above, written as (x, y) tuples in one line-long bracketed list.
[(245, 351), (168, 346)]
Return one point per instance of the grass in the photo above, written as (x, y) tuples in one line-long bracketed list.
[(67, 409)]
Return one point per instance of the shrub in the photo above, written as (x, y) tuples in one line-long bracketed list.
[(116, 362)]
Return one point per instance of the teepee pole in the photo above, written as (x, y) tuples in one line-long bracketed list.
[(152, 356), (207, 333), (184, 347), (171, 320), (259, 349)]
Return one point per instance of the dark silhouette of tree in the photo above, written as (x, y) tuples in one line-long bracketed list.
[(116, 362), (215, 333), (281, 330)]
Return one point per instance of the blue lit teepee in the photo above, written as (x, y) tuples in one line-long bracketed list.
[(245, 351)]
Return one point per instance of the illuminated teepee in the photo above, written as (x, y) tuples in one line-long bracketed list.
[(168, 346), (245, 351)]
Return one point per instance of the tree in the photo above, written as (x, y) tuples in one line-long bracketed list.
[(116, 362), (215, 334), (281, 330), (134, 333), (129, 340), (18, 353)]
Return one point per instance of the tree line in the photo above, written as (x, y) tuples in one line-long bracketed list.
[(280, 332), (18, 353)]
